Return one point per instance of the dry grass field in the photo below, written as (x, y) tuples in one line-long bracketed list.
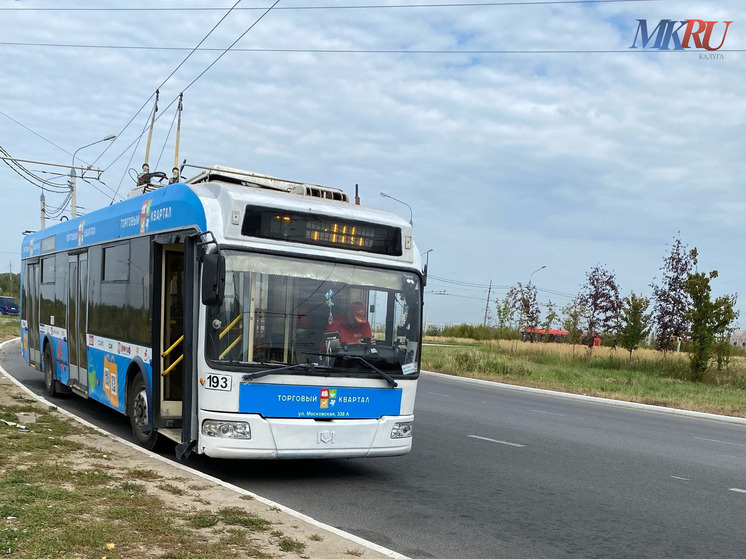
[(649, 377)]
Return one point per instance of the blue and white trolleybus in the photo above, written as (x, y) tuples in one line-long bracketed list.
[(212, 312)]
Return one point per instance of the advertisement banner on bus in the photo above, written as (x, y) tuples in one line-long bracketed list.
[(272, 400)]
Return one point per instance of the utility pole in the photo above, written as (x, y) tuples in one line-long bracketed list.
[(487, 306), (43, 210), (71, 182), (73, 194)]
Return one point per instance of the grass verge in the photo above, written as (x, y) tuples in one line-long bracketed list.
[(10, 327), (68, 492), (60, 497)]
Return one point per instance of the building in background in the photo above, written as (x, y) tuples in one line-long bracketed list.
[(738, 338)]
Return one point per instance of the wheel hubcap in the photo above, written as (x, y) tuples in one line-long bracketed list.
[(140, 408)]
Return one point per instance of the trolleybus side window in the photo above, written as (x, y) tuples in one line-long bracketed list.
[(120, 287), (53, 290)]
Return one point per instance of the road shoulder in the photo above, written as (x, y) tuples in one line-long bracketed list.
[(194, 491)]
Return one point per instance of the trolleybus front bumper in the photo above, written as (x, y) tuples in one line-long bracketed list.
[(303, 438)]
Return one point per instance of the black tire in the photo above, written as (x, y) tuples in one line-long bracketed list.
[(137, 409), (50, 377)]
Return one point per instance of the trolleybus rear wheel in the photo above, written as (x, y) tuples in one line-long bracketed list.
[(50, 378)]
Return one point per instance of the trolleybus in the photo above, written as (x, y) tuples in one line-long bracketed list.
[(207, 311)]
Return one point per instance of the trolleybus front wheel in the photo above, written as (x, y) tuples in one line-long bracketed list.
[(137, 407)]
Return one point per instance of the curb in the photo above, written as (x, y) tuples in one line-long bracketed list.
[(300, 516), (594, 399)]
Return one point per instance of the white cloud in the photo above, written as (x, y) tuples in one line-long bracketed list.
[(510, 161)]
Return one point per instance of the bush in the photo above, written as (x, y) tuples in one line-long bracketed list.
[(479, 332)]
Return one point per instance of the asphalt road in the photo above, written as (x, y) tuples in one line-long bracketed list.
[(500, 473)]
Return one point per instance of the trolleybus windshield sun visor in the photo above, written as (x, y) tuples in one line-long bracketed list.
[(283, 310), (312, 229)]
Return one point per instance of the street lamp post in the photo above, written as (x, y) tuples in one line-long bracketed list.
[(384, 195), (528, 287), (73, 194), (426, 254), (532, 273)]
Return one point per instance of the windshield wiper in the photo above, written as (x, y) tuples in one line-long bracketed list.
[(392, 383), (259, 374)]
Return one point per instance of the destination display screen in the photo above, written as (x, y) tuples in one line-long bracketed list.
[(313, 229)]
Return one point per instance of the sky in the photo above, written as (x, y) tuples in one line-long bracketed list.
[(522, 134)]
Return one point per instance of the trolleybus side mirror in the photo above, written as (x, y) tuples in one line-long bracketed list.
[(213, 279)]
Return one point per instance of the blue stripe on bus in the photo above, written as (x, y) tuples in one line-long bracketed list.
[(107, 377), (273, 400), (107, 371), (169, 208)]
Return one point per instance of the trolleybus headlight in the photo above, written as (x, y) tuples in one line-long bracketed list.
[(401, 430), (226, 429)]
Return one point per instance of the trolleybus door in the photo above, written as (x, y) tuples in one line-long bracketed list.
[(77, 314), (172, 331), (31, 311)]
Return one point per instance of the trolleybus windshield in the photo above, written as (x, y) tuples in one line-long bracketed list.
[(279, 311)]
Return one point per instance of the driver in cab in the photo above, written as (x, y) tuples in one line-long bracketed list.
[(352, 325)]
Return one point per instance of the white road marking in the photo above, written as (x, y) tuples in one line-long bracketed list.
[(681, 478), (495, 441), (549, 413), (439, 394), (719, 441), (737, 490)]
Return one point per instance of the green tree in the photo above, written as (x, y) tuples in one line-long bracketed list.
[(635, 322), (551, 316), (725, 318), (600, 298), (573, 313), (523, 302), (709, 320), (505, 313), (10, 284), (672, 303)]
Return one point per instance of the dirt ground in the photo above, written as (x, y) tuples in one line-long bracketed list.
[(204, 492)]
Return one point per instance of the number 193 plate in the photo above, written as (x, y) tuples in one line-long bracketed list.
[(218, 382)]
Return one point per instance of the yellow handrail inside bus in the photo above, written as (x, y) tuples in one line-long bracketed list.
[(230, 347), (227, 328), (170, 349), (181, 357)]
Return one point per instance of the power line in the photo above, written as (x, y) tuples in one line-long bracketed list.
[(241, 36), (364, 51), (443, 294), (206, 69), (456, 282), (46, 185), (480, 286), (192, 51), (29, 176), (32, 174), (466, 284), (554, 292), (34, 133), (335, 7), (136, 143)]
